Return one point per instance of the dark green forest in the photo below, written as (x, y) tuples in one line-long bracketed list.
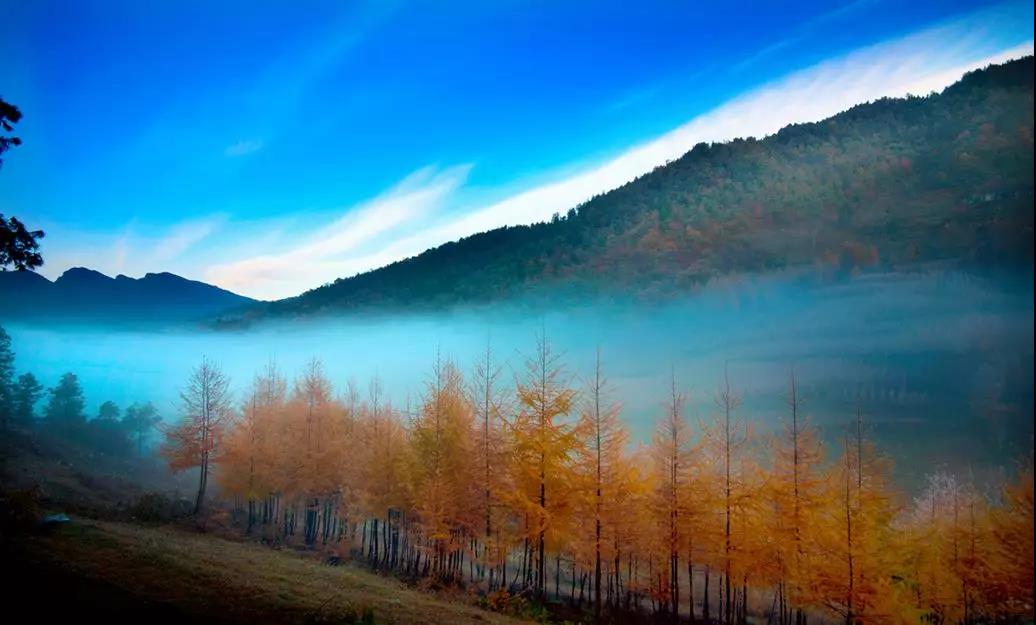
[(888, 184)]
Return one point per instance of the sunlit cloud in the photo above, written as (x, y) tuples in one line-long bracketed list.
[(327, 252)]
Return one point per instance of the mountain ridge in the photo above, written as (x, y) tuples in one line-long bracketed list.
[(87, 295)]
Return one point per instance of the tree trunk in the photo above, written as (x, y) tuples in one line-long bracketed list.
[(203, 476)]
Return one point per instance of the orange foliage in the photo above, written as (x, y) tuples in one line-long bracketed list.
[(536, 489)]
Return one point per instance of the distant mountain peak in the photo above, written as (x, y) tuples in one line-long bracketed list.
[(87, 295), (165, 275), (82, 273)]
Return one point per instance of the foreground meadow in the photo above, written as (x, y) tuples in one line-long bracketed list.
[(170, 574)]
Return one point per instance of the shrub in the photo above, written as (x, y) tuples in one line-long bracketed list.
[(19, 510), (157, 508)]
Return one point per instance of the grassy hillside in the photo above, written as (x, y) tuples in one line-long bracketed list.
[(168, 575), (130, 554), (888, 183)]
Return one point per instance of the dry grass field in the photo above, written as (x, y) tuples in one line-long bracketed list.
[(122, 572)]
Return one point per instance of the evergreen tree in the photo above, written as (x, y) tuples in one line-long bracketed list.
[(107, 433), (19, 246), (27, 393), (64, 411), (108, 411), (9, 115), (139, 420), (6, 377)]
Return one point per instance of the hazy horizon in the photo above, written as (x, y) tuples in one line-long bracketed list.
[(912, 349)]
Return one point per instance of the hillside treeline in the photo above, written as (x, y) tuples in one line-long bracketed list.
[(59, 414), (891, 183), (530, 489)]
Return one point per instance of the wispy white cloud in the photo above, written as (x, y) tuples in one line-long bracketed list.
[(182, 236), (294, 76), (135, 249), (243, 148), (633, 98), (803, 31), (330, 251)]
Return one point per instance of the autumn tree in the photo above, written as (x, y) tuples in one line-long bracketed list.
[(443, 470), (973, 542), (671, 453), (544, 442), (206, 405), (603, 471), (383, 458), (459, 485), (859, 576), (725, 441), (937, 551), (275, 460), (1012, 531), (312, 407), (489, 405), (971, 554), (797, 487), (243, 459)]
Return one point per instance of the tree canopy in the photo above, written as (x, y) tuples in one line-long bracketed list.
[(19, 246), (9, 115)]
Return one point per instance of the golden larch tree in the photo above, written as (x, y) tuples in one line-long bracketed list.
[(544, 442), (603, 472), (206, 412)]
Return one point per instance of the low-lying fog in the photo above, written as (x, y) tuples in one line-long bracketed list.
[(942, 363)]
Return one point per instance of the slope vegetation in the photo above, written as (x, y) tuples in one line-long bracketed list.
[(896, 182)]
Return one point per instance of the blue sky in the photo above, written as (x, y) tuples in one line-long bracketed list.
[(271, 147)]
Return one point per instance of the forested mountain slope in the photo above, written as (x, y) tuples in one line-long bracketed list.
[(885, 184)]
